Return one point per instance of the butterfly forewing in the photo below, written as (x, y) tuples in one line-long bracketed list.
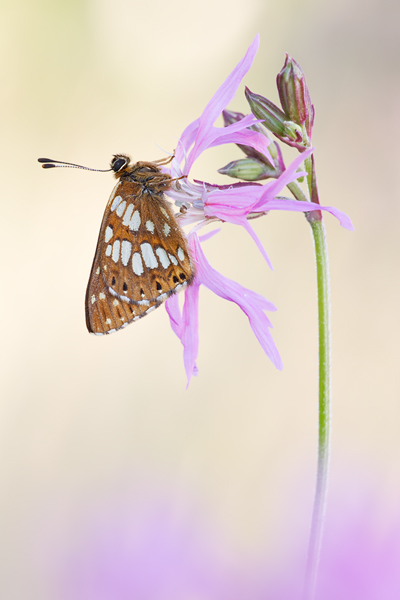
[(141, 256)]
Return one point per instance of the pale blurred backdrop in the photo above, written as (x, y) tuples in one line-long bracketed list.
[(90, 423)]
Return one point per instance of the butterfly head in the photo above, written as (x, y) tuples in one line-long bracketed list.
[(119, 163)]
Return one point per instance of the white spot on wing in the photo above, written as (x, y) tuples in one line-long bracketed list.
[(108, 250), (137, 264), (173, 259), (148, 256), (162, 255), (150, 226), (116, 202), (135, 221), (102, 296), (93, 298), (108, 321), (115, 250), (115, 302), (167, 229), (126, 252), (164, 212), (109, 233), (181, 254), (128, 214), (162, 297), (121, 208), (98, 271)]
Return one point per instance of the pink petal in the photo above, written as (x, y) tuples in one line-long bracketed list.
[(227, 205), (190, 330), (185, 326), (272, 188), (296, 206), (207, 236), (252, 304), (256, 140), (220, 100), (233, 200), (174, 313), (227, 90)]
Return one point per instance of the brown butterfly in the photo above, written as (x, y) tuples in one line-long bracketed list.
[(142, 256)]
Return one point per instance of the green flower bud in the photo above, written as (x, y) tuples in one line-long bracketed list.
[(294, 95), (272, 116), (249, 169)]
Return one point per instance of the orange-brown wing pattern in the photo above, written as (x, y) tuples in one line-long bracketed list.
[(141, 259)]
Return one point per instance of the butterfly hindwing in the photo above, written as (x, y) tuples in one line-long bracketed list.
[(141, 258)]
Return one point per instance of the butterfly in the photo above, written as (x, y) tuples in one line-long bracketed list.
[(142, 256)]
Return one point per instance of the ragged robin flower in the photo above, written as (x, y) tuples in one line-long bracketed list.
[(204, 203)]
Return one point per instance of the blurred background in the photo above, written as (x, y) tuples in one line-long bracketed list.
[(103, 450)]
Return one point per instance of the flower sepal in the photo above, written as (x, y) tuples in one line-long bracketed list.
[(275, 120)]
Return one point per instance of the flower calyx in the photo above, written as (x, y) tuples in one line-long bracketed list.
[(275, 120), (295, 96), (249, 169)]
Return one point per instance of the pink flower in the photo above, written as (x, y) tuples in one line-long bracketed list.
[(202, 203), (252, 304), (140, 547)]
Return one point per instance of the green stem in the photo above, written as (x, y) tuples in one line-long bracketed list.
[(297, 191), (324, 403), (317, 523)]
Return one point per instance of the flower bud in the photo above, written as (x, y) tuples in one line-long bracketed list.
[(231, 117), (272, 116), (249, 169), (294, 95)]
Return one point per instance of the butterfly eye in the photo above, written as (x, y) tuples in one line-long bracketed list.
[(118, 163)]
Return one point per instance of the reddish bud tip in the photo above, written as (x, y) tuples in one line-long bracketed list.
[(294, 95)]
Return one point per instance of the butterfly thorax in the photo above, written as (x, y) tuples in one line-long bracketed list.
[(148, 175)]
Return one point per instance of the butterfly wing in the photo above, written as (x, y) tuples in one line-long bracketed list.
[(141, 259)]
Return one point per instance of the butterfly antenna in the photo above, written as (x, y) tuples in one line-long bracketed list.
[(48, 163)]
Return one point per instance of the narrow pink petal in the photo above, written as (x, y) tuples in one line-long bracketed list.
[(256, 140), (212, 134), (257, 240), (237, 200), (272, 188), (209, 235), (252, 304), (244, 123), (296, 206), (174, 313), (186, 141), (190, 330), (227, 90), (185, 326), (220, 100)]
